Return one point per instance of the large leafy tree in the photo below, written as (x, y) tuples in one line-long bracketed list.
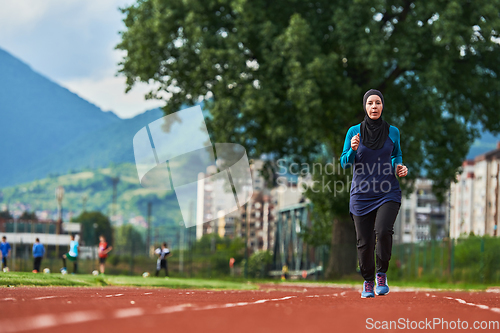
[(287, 77), (94, 224)]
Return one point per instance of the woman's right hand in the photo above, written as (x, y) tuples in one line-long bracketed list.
[(355, 142)]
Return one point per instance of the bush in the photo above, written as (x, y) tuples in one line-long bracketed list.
[(259, 264)]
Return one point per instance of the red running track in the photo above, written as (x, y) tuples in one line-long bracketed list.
[(272, 308)]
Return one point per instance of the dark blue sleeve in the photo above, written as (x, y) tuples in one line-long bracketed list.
[(348, 155)]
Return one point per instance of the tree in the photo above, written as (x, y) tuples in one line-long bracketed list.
[(287, 78), (5, 215), (90, 235), (129, 240), (28, 216)]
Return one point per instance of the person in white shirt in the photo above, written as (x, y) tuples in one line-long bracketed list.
[(163, 253)]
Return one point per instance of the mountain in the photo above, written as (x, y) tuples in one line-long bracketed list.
[(97, 185), (39, 117), (92, 150)]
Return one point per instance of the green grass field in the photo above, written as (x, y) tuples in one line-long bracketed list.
[(15, 279), (405, 284)]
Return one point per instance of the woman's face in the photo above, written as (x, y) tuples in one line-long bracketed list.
[(374, 107)]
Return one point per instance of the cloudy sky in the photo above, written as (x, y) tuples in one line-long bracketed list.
[(72, 42)]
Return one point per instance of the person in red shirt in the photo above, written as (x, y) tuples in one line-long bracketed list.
[(104, 249)]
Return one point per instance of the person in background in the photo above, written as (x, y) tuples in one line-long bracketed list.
[(104, 249), (72, 255), (163, 253), (5, 251), (38, 252)]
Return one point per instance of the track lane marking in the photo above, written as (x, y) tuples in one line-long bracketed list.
[(129, 312), (45, 297), (481, 306), (48, 320)]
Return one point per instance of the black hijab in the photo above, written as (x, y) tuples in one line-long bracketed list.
[(374, 133)]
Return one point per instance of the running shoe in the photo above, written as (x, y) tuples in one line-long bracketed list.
[(368, 289), (382, 287)]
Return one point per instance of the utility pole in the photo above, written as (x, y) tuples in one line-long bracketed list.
[(84, 203), (148, 238), (181, 245), (247, 231), (115, 181), (190, 240), (59, 197)]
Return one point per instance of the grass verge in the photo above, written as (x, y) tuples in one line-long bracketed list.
[(458, 286), (15, 279)]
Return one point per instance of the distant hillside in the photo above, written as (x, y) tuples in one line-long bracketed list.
[(38, 117), (96, 149), (132, 199), (46, 130)]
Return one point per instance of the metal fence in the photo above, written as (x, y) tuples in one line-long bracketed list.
[(466, 260)]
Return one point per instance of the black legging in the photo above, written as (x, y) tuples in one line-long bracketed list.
[(162, 263), (75, 264), (37, 263), (376, 227)]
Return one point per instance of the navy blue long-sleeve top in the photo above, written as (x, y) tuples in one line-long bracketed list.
[(374, 181)]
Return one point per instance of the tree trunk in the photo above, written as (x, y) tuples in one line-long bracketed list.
[(343, 256)]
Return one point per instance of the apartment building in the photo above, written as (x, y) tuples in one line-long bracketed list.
[(475, 196), (421, 217)]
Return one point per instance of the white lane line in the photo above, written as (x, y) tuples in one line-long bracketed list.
[(173, 308), (79, 317), (231, 305), (44, 297), (114, 295), (130, 312), (48, 320), (51, 320), (481, 306), (148, 293), (8, 299)]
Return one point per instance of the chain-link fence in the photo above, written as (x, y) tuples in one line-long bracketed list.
[(466, 260)]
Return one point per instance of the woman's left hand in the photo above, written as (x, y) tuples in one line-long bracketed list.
[(401, 170)]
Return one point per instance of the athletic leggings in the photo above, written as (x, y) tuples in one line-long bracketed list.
[(161, 263), (36, 263), (75, 264), (376, 227)]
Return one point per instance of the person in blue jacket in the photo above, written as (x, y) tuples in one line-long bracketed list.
[(38, 252), (5, 251), (373, 149)]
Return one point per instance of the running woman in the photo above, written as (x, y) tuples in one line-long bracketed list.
[(72, 255), (373, 149), (104, 249), (163, 253)]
